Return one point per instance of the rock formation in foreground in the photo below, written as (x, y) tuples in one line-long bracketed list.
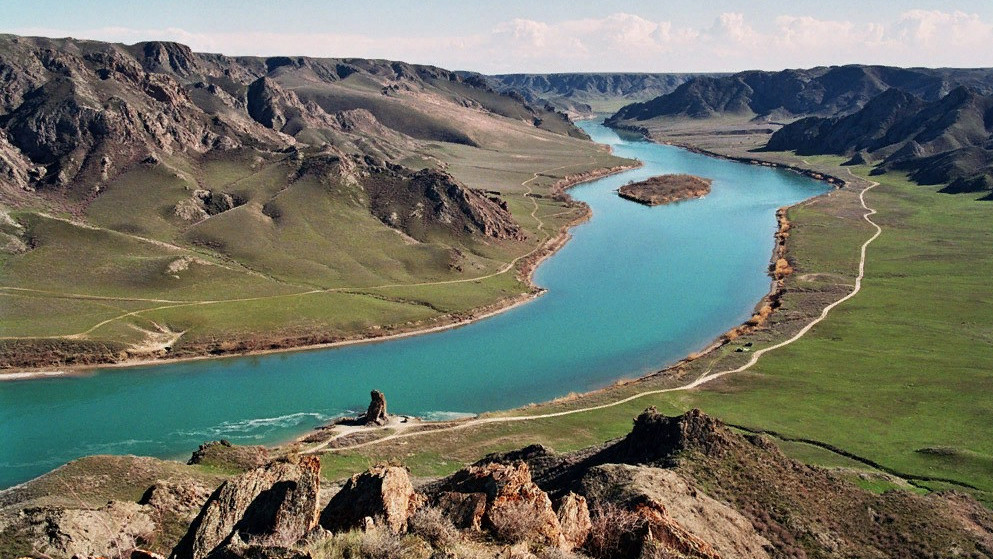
[(683, 487)]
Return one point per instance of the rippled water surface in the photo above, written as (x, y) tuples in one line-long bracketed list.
[(637, 288)]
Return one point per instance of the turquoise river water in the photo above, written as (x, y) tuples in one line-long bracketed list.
[(636, 288)]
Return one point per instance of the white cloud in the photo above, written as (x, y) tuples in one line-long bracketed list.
[(626, 42)]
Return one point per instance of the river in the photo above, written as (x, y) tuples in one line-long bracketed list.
[(636, 288)]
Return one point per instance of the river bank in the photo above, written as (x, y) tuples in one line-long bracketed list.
[(525, 267)]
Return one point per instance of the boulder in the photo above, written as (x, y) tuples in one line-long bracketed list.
[(465, 510), (381, 492), (376, 414), (676, 513), (516, 508), (183, 500), (112, 530), (274, 505), (574, 521)]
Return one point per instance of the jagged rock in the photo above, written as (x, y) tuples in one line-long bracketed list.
[(280, 109), (110, 531), (183, 500), (429, 199), (663, 536), (383, 491), (513, 501), (657, 438), (274, 505), (465, 510), (668, 500), (574, 520), (376, 413)]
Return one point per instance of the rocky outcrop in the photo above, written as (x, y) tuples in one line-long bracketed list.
[(223, 453), (516, 508), (574, 520), (280, 109), (383, 492), (431, 201), (464, 510), (676, 509), (61, 532), (639, 496), (205, 203), (376, 414), (275, 505)]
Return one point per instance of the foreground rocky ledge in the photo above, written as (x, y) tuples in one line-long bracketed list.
[(684, 487), (665, 189)]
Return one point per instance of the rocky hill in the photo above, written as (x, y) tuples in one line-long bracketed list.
[(75, 114), (945, 141), (583, 94), (788, 94), (160, 170), (684, 487)]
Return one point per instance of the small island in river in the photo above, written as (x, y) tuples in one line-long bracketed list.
[(665, 189)]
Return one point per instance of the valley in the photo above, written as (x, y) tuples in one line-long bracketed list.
[(803, 341)]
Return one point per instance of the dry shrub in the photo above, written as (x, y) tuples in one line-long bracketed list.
[(552, 552), (430, 524), (782, 268), (615, 533), (516, 522), (377, 543)]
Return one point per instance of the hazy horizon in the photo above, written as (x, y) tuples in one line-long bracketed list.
[(551, 37)]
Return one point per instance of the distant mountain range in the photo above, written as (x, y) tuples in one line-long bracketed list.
[(785, 95), (74, 112), (586, 93), (935, 124), (949, 140)]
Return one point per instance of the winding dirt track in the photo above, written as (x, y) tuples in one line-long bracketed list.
[(405, 433)]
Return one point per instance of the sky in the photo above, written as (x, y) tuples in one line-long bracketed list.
[(543, 36)]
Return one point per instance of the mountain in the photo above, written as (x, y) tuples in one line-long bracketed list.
[(949, 140), (75, 111), (584, 94), (788, 94), (169, 174)]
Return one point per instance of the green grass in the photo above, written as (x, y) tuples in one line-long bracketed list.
[(905, 365)]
